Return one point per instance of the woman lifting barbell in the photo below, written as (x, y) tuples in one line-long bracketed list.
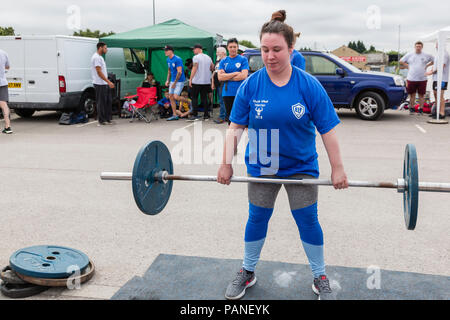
[(285, 102)]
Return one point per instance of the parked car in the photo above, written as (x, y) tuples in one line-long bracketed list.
[(54, 72), (369, 93)]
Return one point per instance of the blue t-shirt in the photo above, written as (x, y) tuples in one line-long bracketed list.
[(298, 60), (236, 64), (163, 101), (282, 123), (173, 64)]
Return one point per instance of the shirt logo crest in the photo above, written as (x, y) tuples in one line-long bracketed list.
[(173, 64), (298, 110), (258, 113), (237, 65)]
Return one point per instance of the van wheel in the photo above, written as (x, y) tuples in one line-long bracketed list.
[(87, 103), (24, 113), (369, 106)]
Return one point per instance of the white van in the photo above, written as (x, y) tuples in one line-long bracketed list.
[(53, 72)]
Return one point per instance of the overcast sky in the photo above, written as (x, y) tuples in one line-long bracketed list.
[(324, 24)]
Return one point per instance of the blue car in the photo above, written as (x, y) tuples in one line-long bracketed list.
[(369, 93)]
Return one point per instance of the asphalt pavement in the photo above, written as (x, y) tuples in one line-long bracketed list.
[(51, 193)]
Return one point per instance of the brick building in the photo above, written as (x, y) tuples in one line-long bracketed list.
[(351, 56)]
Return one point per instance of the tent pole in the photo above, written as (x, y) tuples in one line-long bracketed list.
[(398, 52), (154, 12), (440, 67)]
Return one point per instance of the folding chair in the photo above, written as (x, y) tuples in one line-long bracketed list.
[(147, 98)]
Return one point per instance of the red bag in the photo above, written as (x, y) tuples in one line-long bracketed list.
[(426, 108)]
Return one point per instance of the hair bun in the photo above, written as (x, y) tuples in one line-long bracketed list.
[(279, 15)]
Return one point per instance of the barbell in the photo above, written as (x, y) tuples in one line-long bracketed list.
[(152, 179)]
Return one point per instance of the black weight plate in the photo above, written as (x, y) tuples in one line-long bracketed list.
[(411, 194), (20, 290), (151, 196), (9, 276)]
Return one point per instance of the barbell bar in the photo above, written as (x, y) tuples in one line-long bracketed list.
[(152, 179), (399, 185)]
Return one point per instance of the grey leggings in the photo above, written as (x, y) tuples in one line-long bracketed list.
[(300, 196)]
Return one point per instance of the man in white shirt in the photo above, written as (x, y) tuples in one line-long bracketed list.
[(444, 83), (200, 80), (416, 63), (4, 65), (102, 85)]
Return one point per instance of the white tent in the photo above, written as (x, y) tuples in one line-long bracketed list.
[(441, 37)]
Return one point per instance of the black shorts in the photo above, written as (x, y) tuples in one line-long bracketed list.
[(4, 93), (443, 87)]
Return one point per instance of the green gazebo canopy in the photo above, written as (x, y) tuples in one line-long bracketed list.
[(181, 36)]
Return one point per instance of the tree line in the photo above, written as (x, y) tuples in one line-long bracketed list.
[(360, 47), (7, 31)]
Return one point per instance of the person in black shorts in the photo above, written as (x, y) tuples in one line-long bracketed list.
[(4, 98)]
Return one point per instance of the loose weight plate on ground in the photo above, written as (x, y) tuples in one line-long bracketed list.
[(49, 262), (19, 291), (152, 194), (411, 193), (10, 276), (83, 277)]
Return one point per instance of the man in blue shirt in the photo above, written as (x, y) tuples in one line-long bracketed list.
[(232, 71), (175, 81), (297, 58), (282, 106)]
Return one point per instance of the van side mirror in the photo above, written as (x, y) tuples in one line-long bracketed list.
[(340, 72)]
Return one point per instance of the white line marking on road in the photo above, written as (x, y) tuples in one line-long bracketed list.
[(86, 124), (189, 125), (421, 129)]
